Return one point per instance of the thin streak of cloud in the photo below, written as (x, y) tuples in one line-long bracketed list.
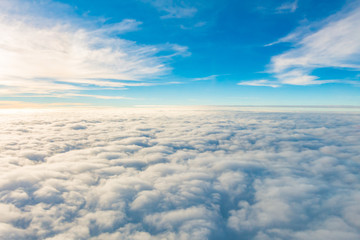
[(173, 9), (288, 7), (195, 26), (179, 12), (30, 105), (259, 83), (208, 78), (95, 96)]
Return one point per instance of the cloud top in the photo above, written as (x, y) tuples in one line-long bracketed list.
[(186, 174)]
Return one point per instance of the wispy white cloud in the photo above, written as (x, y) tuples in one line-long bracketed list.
[(179, 12), (173, 8), (95, 96), (42, 53), (211, 77), (334, 44), (28, 105), (10, 85), (260, 82), (288, 7), (194, 26)]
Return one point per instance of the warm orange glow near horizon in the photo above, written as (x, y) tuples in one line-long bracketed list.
[(30, 105)]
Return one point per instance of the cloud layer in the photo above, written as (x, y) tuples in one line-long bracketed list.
[(162, 174)]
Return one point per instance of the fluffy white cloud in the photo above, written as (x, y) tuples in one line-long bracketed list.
[(184, 174)]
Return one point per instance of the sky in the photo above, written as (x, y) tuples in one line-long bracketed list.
[(163, 52)]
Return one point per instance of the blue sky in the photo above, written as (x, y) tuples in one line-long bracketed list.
[(162, 52)]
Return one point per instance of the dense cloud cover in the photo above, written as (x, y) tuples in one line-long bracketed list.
[(160, 174)]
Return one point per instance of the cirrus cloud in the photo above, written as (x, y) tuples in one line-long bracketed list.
[(335, 43), (43, 53)]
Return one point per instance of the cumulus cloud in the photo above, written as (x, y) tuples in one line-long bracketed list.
[(335, 43), (184, 174), (44, 53)]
